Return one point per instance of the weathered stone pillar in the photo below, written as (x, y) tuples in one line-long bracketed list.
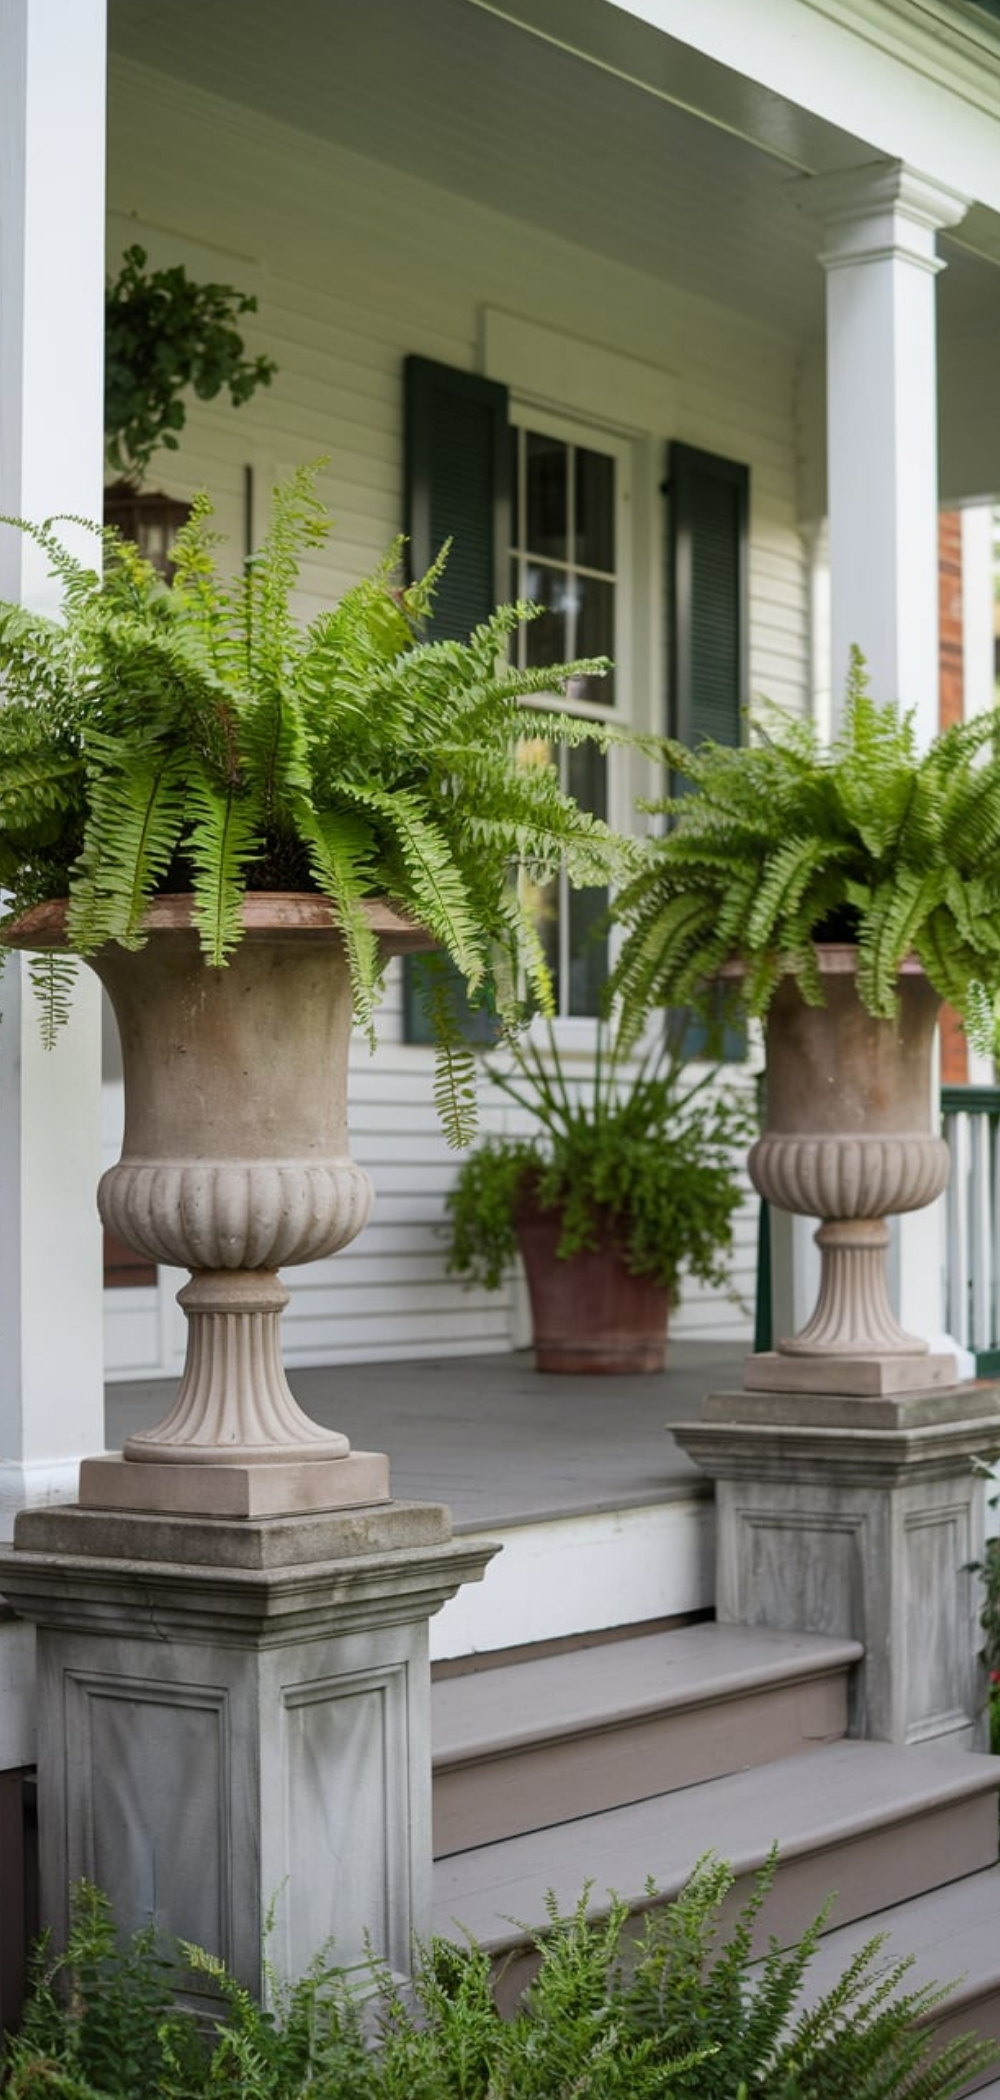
[(848, 1515), (234, 1717)]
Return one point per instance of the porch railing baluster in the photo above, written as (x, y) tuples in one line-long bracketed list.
[(971, 1125)]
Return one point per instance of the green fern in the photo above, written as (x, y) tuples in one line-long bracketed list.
[(197, 737), (641, 1143), (678, 2008), (783, 843)]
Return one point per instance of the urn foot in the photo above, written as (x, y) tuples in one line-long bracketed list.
[(853, 1316), (235, 1406)]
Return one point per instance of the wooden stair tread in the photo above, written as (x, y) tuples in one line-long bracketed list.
[(490, 1711), (844, 1795), (952, 1933)]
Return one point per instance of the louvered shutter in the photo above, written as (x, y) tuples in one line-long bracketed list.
[(707, 598), (457, 487), (708, 517)]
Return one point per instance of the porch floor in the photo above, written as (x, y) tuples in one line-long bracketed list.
[(501, 1443)]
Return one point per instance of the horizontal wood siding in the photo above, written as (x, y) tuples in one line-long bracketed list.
[(354, 267)]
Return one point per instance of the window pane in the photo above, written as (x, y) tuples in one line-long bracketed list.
[(587, 778), (595, 510), (545, 637), (542, 901), (595, 636), (515, 483), (588, 950), (547, 496)]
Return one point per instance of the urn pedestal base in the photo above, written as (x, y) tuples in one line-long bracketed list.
[(772, 1372), (271, 1490), (234, 1717), (845, 1515)]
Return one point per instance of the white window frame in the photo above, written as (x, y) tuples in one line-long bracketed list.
[(577, 1031)]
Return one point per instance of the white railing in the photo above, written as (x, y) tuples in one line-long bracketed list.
[(971, 1125)]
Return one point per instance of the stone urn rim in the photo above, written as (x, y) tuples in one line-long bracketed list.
[(263, 911), (835, 958)]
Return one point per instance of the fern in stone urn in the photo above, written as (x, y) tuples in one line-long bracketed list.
[(237, 820), (838, 894)]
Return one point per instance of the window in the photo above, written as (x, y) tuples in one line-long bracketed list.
[(568, 528)]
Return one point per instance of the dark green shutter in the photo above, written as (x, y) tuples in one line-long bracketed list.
[(708, 502), (457, 487), (707, 540)]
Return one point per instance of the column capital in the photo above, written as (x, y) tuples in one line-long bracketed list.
[(882, 210)]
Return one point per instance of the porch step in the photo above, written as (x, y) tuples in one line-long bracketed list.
[(873, 1824), (953, 1936), (534, 1743)]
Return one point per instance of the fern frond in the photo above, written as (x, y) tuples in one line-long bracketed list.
[(53, 980), (264, 623), (454, 1064), (433, 888), (898, 911), (137, 805), (341, 855), (221, 839)]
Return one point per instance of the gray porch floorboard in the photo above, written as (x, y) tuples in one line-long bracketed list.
[(499, 1442)]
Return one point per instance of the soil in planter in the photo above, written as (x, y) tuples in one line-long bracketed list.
[(588, 1312)]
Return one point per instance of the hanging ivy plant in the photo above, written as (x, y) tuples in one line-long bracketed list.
[(163, 335)]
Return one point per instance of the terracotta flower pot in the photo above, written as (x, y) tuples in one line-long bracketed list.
[(850, 1138), (235, 1157), (588, 1312)]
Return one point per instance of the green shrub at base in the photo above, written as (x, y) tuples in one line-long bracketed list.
[(681, 2012)]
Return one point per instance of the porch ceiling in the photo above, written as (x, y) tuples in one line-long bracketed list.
[(450, 92)]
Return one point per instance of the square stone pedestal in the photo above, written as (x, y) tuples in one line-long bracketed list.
[(860, 1516), (234, 1716)]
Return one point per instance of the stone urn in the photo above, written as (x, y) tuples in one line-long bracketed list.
[(235, 1162), (850, 1138)]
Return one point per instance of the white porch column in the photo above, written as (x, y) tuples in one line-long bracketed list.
[(52, 152), (880, 224), (879, 256)]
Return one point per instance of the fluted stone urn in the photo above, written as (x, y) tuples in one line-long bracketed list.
[(849, 1138), (235, 1162)]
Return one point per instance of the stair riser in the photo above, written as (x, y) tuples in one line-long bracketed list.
[(886, 1865), (979, 2016), (481, 1800)]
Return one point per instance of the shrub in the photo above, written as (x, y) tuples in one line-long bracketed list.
[(643, 1147), (684, 2012)]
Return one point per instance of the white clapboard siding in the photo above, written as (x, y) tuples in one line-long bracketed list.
[(354, 267)]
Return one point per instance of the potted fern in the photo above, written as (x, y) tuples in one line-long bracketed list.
[(625, 1179), (236, 821), (837, 894)]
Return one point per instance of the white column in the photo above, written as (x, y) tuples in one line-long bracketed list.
[(978, 667), (879, 255), (52, 153)]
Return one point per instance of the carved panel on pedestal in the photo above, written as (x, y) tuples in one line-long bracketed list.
[(346, 1837), (940, 1622), (147, 1803), (787, 1582)]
